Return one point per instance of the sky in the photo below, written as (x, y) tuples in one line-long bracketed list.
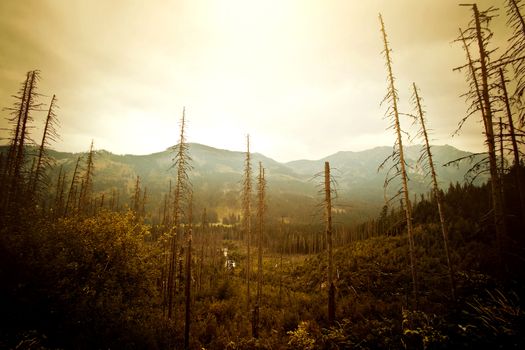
[(305, 78)]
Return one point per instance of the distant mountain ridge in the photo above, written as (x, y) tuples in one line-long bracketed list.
[(292, 189)]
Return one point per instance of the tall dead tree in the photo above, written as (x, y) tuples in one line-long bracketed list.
[(397, 156), (247, 212), (515, 151), (427, 156), (329, 243), (182, 164), (479, 34), (515, 52), (43, 160), (474, 95), (17, 112), (261, 195), (501, 166), (14, 176)]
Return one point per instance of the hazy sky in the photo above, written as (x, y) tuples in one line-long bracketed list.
[(304, 78)]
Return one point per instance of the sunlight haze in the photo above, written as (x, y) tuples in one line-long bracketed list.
[(304, 78)]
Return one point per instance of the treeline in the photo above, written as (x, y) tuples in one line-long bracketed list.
[(25, 184)]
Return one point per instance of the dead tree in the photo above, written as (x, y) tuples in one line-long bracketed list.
[(187, 286), (515, 150), (43, 161), (246, 206), (182, 163), (501, 167), (18, 114), (479, 34), (261, 194), (14, 177), (515, 52), (328, 231), (427, 156), (397, 156)]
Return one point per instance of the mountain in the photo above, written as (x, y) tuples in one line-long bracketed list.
[(357, 172), (292, 186)]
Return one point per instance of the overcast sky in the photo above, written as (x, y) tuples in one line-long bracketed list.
[(304, 78)]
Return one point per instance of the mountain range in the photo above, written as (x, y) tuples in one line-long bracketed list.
[(292, 186)]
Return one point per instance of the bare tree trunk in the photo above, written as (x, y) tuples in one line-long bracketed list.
[(22, 105), (260, 217), (281, 250), (28, 105), (187, 286), (501, 170), (499, 218), (182, 188), (514, 53), (393, 97), (71, 196), (49, 133), (437, 193), (247, 193), (515, 150), (328, 230)]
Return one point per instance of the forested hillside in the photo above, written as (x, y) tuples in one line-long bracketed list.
[(216, 176)]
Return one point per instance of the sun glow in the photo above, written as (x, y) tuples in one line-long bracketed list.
[(305, 76)]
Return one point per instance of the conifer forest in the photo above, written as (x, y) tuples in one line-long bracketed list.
[(416, 245)]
